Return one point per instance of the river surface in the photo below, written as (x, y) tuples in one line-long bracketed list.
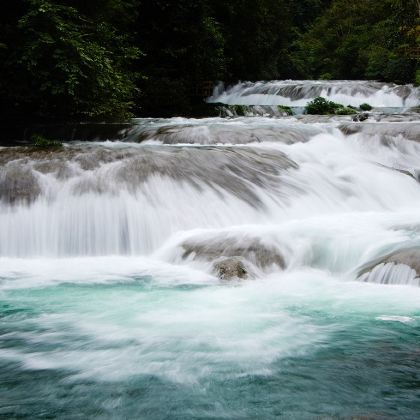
[(112, 304)]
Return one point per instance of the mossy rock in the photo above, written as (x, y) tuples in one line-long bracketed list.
[(41, 142), (283, 109), (233, 110)]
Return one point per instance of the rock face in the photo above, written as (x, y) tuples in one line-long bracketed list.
[(410, 257), (230, 268), (399, 267), (361, 117), (18, 184), (386, 130), (251, 249), (224, 170), (234, 257)]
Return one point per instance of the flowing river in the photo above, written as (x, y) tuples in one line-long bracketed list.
[(250, 267)]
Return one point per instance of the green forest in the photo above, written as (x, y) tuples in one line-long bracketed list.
[(107, 60)]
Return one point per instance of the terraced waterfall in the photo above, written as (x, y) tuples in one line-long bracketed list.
[(243, 267)]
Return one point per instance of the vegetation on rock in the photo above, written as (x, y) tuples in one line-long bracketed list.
[(41, 142), (321, 106), (283, 109), (365, 107)]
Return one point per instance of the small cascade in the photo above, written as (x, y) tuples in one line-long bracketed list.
[(297, 93)]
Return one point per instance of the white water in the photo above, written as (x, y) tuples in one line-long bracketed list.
[(296, 93), (321, 199)]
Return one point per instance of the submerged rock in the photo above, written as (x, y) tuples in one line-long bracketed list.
[(230, 268), (399, 267)]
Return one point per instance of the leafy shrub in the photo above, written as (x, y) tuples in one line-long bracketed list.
[(326, 76), (321, 106), (365, 107), (42, 142), (283, 109), (345, 110)]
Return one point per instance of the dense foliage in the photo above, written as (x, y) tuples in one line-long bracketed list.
[(102, 59), (362, 39), (60, 61)]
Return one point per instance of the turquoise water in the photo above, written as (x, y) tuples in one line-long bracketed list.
[(293, 345)]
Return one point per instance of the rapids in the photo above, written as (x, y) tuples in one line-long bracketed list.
[(111, 304)]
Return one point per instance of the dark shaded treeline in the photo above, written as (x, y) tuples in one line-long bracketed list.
[(100, 60)]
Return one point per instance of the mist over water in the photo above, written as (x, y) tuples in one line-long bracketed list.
[(112, 303)]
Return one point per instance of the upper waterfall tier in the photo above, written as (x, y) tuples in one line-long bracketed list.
[(298, 93)]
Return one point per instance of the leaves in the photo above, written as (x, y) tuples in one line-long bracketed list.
[(76, 67)]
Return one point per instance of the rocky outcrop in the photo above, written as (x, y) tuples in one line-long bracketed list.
[(18, 184), (235, 171), (250, 249), (383, 270), (408, 130), (234, 257), (361, 117), (228, 133)]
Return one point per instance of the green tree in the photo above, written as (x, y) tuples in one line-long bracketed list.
[(360, 39), (59, 63)]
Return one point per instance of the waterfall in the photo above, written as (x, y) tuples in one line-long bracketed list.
[(201, 263), (297, 93), (180, 182)]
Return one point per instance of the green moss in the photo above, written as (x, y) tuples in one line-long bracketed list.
[(239, 110), (236, 110), (365, 107), (285, 109), (44, 143)]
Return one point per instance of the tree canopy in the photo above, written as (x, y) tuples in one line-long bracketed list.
[(107, 59)]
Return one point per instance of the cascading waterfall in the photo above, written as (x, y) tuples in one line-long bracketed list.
[(298, 93), (202, 258)]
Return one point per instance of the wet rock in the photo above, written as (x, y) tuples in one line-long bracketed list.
[(18, 184), (408, 259), (230, 268), (226, 133), (248, 249), (360, 117), (408, 130)]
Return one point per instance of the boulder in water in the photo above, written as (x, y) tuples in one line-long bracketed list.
[(230, 268), (18, 184), (361, 117), (250, 249)]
